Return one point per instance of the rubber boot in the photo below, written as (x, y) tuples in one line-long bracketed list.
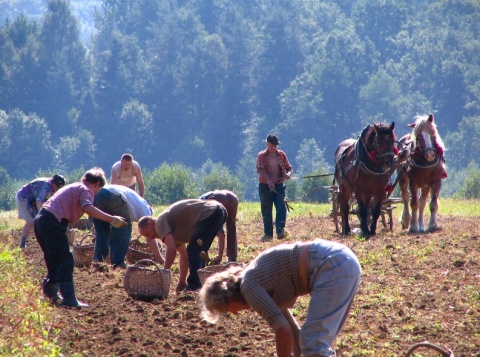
[(50, 290), (67, 289)]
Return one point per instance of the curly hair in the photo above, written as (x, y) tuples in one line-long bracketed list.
[(218, 291), (95, 175)]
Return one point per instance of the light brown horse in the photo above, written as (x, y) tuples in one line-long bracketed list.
[(424, 171), (363, 167)]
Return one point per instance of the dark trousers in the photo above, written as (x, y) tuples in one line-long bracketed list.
[(267, 200), (108, 239), (52, 238), (205, 231)]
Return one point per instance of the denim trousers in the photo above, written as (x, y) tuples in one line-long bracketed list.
[(334, 276), (267, 200), (108, 239), (52, 237), (205, 230)]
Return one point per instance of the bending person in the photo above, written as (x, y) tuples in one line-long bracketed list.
[(189, 227), (121, 201), (328, 271), (30, 199), (230, 201), (50, 225)]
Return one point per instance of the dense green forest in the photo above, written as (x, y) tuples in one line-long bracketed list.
[(190, 81)]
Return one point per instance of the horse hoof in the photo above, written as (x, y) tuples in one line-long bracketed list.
[(434, 229)]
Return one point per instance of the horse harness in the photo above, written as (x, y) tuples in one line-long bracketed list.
[(359, 160)]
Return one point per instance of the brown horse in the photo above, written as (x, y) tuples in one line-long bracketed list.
[(424, 171), (363, 167)]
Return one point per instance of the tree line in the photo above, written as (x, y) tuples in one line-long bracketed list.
[(189, 82)]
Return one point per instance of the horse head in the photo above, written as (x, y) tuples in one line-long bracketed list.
[(427, 143), (381, 144)]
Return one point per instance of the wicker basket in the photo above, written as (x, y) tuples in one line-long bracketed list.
[(145, 280), (83, 252), (204, 273), (139, 250)]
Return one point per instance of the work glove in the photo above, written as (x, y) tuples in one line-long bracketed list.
[(119, 222)]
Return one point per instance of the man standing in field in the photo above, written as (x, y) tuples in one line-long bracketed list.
[(127, 172)]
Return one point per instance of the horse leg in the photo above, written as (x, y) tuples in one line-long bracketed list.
[(344, 209), (375, 214), (363, 214), (422, 202), (414, 206), (406, 201), (433, 226)]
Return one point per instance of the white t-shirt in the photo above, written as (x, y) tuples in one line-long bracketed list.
[(125, 178)]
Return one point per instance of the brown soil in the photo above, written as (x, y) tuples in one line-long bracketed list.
[(414, 288)]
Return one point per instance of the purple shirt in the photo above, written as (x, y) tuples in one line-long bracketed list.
[(69, 202), (39, 190)]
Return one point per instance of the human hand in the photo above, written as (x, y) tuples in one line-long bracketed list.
[(180, 287), (118, 222)]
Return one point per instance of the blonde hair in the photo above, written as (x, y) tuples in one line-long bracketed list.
[(218, 291)]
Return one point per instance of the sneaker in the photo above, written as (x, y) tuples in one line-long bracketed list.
[(282, 235), (266, 238)]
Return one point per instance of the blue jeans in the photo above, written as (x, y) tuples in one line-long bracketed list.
[(206, 230), (108, 238), (334, 276), (52, 237), (267, 200)]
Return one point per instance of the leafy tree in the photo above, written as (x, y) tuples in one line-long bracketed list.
[(19, 80), (72, 150), (7, 191), (168, 184), (471, 185), (26, 145), (217, 176), (462, 145), (63, 66)]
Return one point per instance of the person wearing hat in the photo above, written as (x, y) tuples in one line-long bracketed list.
[(30, 199), (273, 169)]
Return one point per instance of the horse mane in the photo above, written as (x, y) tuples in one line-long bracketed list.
[(423, 124)]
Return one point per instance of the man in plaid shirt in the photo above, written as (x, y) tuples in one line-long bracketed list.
[(273, 169)]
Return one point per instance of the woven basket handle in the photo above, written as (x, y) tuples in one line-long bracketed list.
[(87, 236), (138, 238), (149, 261)]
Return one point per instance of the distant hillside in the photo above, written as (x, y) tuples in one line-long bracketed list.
[(83, 10)]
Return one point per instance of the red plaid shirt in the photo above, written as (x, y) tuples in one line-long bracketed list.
[(263, 163)]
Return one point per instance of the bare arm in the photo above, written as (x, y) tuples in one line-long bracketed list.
[(267, 178), (153, 245), (114, 179), (171, 250), (284, 341), (221, 245), (183, 264), (94, 212), (141, 184), (295, 332)]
